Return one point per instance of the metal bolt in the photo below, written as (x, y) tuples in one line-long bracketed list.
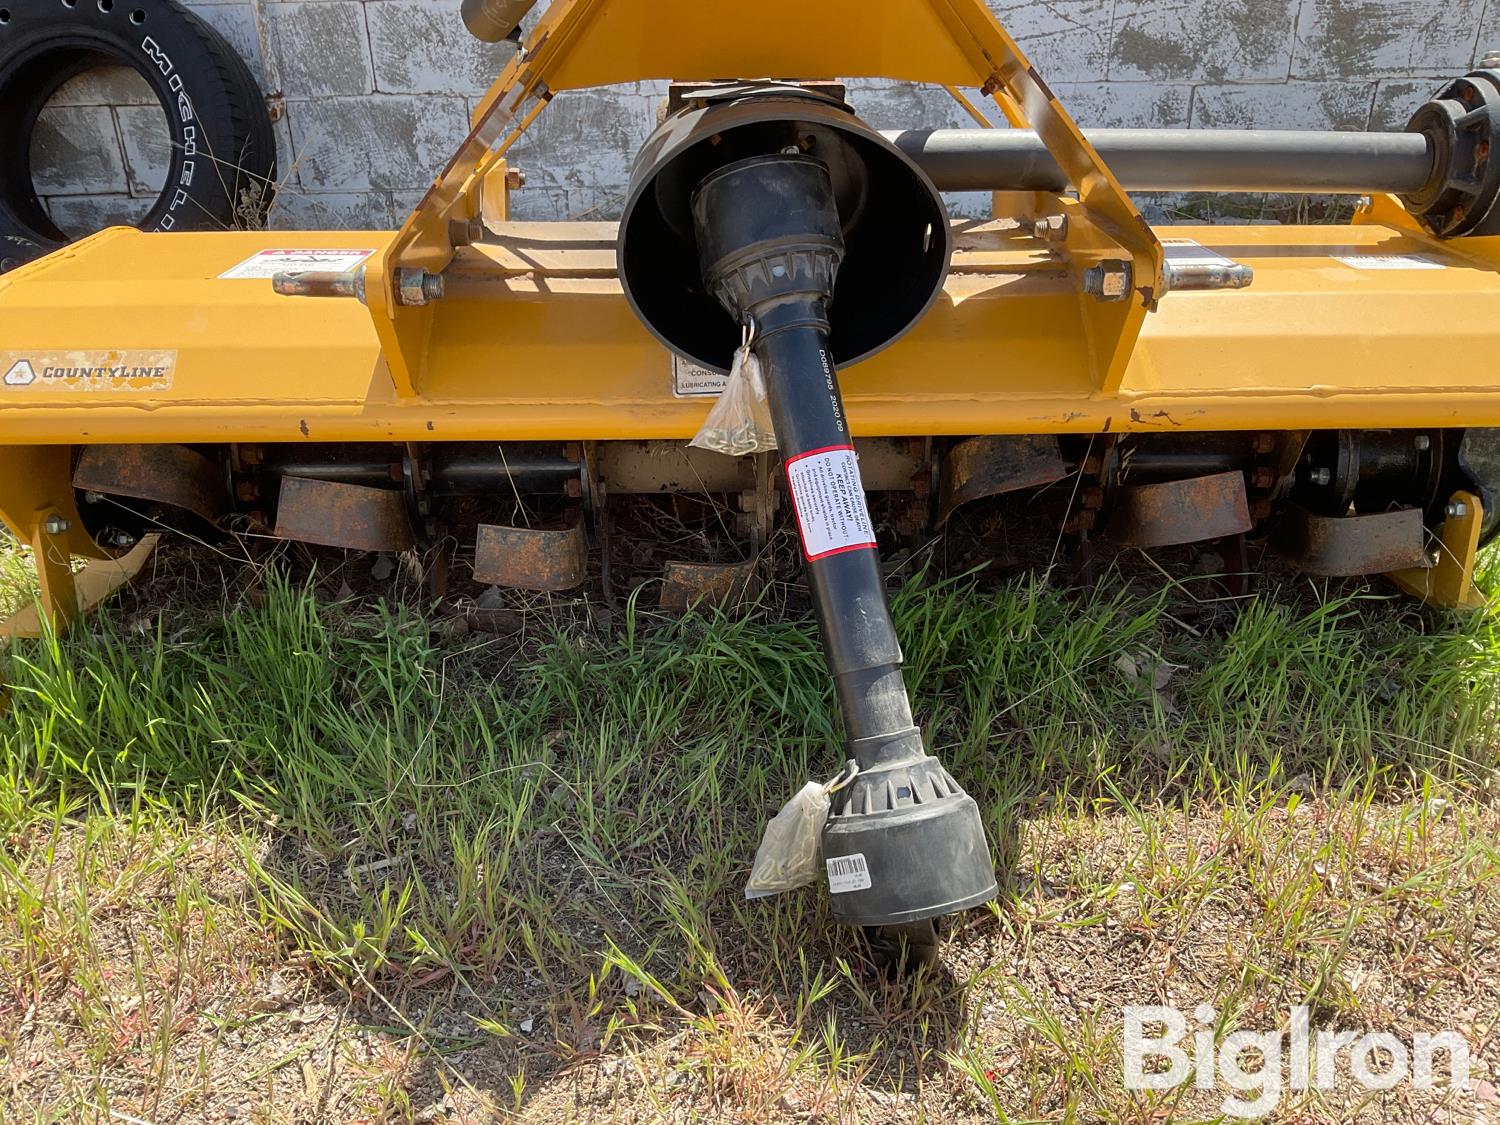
[(122, 539), (93, 497), (465, 232), (1108, 281), (1052, 228), (1422, 443), (1456, 510), (1491, 60), (418, 286), (515, 178), (55, 525), (1321, 476)]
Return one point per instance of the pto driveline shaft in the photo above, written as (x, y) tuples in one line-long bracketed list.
[(903, 842)]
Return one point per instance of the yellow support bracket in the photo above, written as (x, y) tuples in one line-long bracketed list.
[(1450, 583), (958, 44)]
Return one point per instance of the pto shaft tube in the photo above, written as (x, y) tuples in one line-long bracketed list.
[(904, 842), (1347, 163)]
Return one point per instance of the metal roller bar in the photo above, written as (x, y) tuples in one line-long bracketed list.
[(1347, 163)]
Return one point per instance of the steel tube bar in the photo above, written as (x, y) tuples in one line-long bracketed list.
[(1347, 163)]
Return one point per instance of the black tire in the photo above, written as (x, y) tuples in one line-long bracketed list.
[(223, 167), (16, 251)]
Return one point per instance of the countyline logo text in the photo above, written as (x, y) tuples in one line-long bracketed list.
[(104, 372)]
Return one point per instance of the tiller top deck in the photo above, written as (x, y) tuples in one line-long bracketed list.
[(476, 380)]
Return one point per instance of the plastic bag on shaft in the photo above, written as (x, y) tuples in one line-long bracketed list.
[(788, 854), (740, 422)]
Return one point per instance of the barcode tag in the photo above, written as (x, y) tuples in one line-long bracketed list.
[(848, 873), (830, 502)]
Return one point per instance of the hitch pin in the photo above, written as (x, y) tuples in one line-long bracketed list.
[(413, 286)]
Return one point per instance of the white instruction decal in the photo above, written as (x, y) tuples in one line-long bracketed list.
[(1186, 252), (268, 263), (848, 873), (1388, 262), (829, 501), (690, 380), (41, 372)]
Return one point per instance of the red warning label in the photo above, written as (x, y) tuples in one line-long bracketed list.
[(829, 501)]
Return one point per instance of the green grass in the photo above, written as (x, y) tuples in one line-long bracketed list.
[(509, 871)]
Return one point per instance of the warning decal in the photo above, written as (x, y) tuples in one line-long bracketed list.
[(1388, 262), (268, 263), (691, 380), (829, 501), (41, 372), (1186, 252), (848, 873)]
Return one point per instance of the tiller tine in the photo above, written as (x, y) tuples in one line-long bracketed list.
[(527, 558), (162, 474), (716, 584), (1181, 511), (990, 466), (333, 514), (1351, 546)]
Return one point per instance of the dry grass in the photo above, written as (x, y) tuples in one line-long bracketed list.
[(304, 861)]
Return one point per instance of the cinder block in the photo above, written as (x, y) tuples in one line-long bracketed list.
[(235, 21), (1379, 38), (577, 155), (79, 215), (105, 85), (1206, 40), (1290, 105), (376, 143), (321, 47), (1125, 105), (905, 105), (1067, 40), (300, 210), (1397, 99), (75, 151), (148, 147), (422, 47)]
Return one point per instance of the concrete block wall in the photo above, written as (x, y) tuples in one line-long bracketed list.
[(378, 93)]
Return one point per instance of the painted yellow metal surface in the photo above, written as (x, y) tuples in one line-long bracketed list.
[(1450, 582), (539, 345)]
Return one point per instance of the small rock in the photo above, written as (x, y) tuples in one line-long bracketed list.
[(492, 598), (526, 1025), (383, 568)]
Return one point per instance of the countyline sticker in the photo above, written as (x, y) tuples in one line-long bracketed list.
[(44, 372)]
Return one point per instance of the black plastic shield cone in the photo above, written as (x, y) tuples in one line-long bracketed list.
[(893, 223), (904, 842)]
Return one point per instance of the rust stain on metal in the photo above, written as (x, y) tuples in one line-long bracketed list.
[(336, 514), (989, 466), (1349, 546), (526, 558), (162, 474), (1182, 511), (687, 584)]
